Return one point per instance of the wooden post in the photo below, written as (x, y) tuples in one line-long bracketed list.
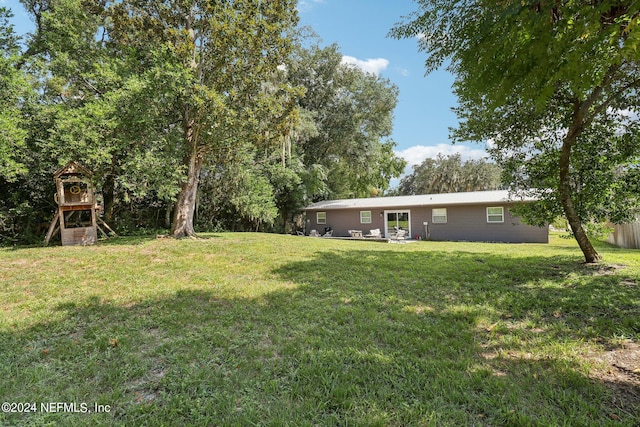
[(52, 228)]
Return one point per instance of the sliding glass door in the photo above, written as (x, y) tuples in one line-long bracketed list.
[(397, 220)]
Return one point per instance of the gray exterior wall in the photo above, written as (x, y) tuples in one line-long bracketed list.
[(341, 221), (464, 223)]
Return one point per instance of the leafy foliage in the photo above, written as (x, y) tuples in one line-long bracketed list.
[(13, 87), (158, 98), (221, 53), (449, 174), (353, 114), (337, 146)]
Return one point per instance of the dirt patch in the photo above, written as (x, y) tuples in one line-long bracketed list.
[(629, 282), (605, 270), (620, 371), (146, 389)]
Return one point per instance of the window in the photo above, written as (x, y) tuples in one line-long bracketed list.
[(321, 218), (365, 217), (495, 214), (439, 216)]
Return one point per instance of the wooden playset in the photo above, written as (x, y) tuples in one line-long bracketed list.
[(76, 217)]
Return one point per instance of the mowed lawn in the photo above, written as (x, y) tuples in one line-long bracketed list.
[(258, 329)]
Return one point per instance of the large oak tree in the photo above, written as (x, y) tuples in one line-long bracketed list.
[(553, 88), (216, 56)]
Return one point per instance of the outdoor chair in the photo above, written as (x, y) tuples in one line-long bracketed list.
[(374, 234), (399, 235)]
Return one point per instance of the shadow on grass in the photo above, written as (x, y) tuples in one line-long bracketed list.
[(111, 241), (138, 240), (114, 241), (376, 337)]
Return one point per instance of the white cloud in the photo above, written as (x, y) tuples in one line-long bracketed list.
[(418, 153), (374, 66), (304, 5)]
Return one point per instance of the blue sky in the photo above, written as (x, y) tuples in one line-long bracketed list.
[(423, 115), (359, 27)]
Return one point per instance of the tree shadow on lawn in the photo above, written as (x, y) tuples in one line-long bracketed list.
[(361, 337), (146, 238), (111, 241), (535, 320), (123, 240)]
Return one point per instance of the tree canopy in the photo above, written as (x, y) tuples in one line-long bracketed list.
[(449, 174), (13, 86), (190, 114), (216, 57), (553, 87), (352, 112)]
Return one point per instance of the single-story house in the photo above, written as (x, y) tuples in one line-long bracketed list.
[(472, 216)]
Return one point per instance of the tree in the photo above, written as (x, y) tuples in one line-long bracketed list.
[(95, 106), (216, 55), (13, 87), (554, 87), (236, 193), (449, 174), (353, 116), (332, 142), (259, 186)]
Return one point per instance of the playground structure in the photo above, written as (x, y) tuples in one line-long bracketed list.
[(76, 218)]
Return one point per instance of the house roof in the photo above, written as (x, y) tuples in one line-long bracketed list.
[(72, 168), (446, 199)]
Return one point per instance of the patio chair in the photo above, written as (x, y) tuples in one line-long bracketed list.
[(399, 235), (314, 233), (374, 234)]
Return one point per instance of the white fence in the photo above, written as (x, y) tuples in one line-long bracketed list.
[(626, 235)]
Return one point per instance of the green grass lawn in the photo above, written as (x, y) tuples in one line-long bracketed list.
[(256, 329)]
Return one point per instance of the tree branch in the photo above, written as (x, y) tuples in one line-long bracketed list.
[(609, 100)]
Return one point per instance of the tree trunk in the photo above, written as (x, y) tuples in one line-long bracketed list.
[(590, 254), (167, 215), (185, 206), (283, 213), (108, 190)]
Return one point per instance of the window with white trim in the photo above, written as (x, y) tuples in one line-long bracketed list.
[(365, 217), (439, 216), (495, 214), (321, 218)]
